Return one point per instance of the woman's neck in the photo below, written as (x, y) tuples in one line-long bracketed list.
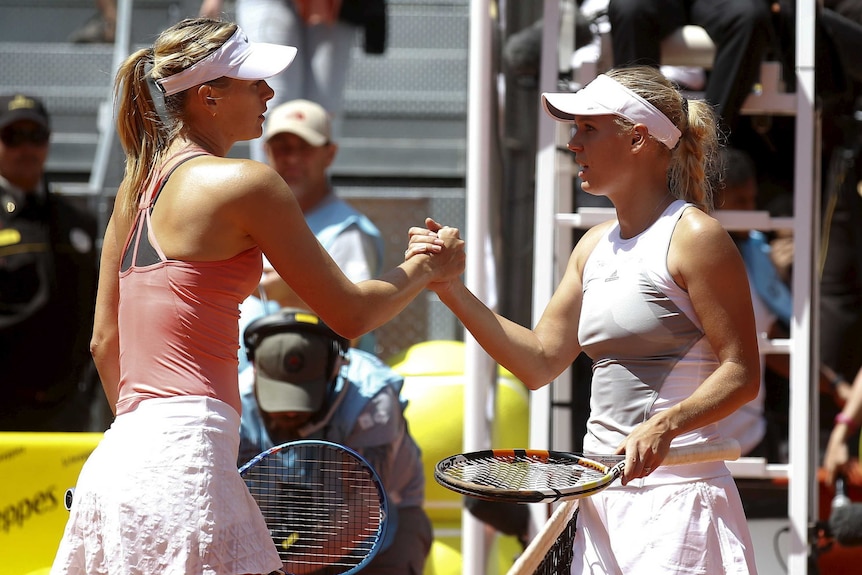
[(637, 217)]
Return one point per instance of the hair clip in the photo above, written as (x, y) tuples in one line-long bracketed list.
[(157, 94)]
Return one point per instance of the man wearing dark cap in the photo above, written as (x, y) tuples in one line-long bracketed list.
[(306, 383), (48, 264)]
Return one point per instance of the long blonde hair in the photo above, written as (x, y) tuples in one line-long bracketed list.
[(145, 134), (694, 160)]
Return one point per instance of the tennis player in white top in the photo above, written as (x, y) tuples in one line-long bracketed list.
[(659, 300)]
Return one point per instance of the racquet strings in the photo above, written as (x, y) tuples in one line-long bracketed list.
[(558, 559), (531, 471), (321, 505)]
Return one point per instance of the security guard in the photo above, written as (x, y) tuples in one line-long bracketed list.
[(48, 274)]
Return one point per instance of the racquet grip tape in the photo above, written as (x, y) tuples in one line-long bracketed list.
[(720, 450)]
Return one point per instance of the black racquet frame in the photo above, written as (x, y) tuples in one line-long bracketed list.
[(534, 475)]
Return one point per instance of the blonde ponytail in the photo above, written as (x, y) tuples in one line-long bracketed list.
[(147, 128)]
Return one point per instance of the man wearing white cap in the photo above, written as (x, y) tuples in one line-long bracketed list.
[(298, 143)]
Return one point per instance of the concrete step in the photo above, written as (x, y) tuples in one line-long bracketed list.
[(405, 110)]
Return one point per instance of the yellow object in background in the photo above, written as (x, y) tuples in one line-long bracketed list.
[(434, 388), (36, 469)]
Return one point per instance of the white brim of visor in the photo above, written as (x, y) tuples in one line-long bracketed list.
[(236, 58), (603, 96)]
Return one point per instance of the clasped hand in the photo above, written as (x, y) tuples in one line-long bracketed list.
[(441, 242)]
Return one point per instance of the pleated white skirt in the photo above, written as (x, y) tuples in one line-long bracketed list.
[(161, 495), (695, 528)]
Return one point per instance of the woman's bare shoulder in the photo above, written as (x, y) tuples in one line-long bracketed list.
[(592, 236), (696, 225), (233, 172), (228, 179), (701, 248)]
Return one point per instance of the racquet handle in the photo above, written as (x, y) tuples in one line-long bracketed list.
[(528, 562), (720, 450)]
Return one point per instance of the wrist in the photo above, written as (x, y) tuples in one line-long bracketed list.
[(445, 290), (667, 422), (842, 419)]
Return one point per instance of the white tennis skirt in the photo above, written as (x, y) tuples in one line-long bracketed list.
[(695, 528), (161, 495)]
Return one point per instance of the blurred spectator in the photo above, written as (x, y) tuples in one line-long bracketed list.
[(839, 90), (838, 35), (770, 297), (298, 144), (840, 270), (768, 260), (324, 31), (522, 51), (739, 191), (100, 27), (740, 29), (841, 454), (306, 384), (48, 270)]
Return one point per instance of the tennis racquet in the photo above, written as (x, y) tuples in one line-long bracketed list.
[(550, 551), (531, 476), (323, 503)]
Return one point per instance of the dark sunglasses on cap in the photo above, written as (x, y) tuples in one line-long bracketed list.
[(13, 136)]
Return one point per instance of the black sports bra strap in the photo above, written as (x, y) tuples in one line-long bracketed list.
[(140, 251), (168, 175)]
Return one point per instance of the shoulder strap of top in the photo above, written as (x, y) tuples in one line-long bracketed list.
[(139, 250), (170, 167)]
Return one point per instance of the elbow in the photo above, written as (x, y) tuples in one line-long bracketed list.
[(97, 350), (535, 371), (751, 387), (742, 375), (533, 383), (532, 379), (349, 326), (102, 347)]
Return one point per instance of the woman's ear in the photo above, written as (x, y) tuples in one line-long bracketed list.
[(640, 134), (206, 98)]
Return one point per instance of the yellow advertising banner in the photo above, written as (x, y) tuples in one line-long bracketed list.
[(36, 469)]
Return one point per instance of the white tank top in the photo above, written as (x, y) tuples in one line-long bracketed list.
[(639, 328)]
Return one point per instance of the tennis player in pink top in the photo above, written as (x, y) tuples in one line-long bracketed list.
[(161, 492)]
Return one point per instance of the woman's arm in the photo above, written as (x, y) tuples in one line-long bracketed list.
[(535, 356), (105, 343), (837, 456), (270, 215)]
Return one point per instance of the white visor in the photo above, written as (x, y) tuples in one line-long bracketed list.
[(236, 58), (604, 95)]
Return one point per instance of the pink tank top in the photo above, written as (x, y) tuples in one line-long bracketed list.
[(178, 320)]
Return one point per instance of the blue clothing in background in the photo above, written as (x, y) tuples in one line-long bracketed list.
[(767, 283)]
